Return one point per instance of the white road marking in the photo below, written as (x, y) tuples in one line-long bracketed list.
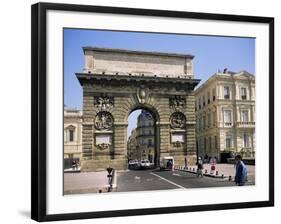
[(176, 174), (171, 182)]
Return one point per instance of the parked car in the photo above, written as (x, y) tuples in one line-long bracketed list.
[(133, 163), (145, 164)]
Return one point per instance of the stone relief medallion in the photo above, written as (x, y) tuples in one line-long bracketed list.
[(177, 120), (177, 103), (103, 103), (104, 121)]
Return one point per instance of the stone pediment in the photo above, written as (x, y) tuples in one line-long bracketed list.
[(243, 75)]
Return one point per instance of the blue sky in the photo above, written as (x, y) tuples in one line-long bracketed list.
[(211, 53)]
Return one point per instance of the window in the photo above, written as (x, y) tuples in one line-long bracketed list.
[(199, 102), (204, 122), (208, 94), (150, 132), (71, 135), (205, 143), (228, 141), (226, 92), (214, 94), (216, 142), (149, 142), (227, 117), (245, 140), (214, 119), (243, 93), (244, 116), (209, 120), (210, 143), (204, 102)]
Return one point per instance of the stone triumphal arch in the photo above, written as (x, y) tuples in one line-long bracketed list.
[(116, 82)]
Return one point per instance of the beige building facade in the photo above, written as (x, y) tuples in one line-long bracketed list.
[(145, 136), (116, 82), (72, 135), (225, 115), (133, 152)]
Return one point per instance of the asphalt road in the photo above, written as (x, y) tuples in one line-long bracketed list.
[(146, 180)]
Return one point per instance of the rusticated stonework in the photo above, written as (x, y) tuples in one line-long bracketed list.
[(117, 82)]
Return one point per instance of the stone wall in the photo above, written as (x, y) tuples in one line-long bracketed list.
[(115, 155)]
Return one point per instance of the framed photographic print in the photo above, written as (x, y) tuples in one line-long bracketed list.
[(139, 111)]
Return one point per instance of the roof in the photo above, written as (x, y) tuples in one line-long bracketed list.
[(118, 50), (217, 74)]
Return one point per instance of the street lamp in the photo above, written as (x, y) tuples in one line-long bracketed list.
[(109, 176)]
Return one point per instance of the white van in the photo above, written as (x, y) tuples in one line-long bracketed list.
[(167, 163)]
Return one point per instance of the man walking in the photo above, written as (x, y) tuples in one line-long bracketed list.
[(200, 167), (241, 171)]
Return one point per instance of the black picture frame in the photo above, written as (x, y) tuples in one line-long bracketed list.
[(39, 108)]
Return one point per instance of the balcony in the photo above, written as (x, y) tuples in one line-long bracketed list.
[(245, 124), (227, 124), (226, 97)]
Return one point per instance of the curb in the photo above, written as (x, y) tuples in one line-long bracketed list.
[(204, 174)]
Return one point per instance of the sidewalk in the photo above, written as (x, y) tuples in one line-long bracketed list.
[(71, 170), (87, 182), (224, 171)]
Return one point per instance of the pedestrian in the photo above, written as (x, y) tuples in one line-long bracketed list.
[(206, 158), (200, 167), (213, 165), (73, 164), (76, 164), (185, 163), (241, 171)]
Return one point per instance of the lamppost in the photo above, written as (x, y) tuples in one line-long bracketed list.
[(110, 177)]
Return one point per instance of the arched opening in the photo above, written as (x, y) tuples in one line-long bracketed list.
[(143, 138)]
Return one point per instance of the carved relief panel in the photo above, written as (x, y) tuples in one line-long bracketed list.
[(103, 103), (177, 103)]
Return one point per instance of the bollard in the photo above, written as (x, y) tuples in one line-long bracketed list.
[(206, 171), (229, 178), (217, 173)]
